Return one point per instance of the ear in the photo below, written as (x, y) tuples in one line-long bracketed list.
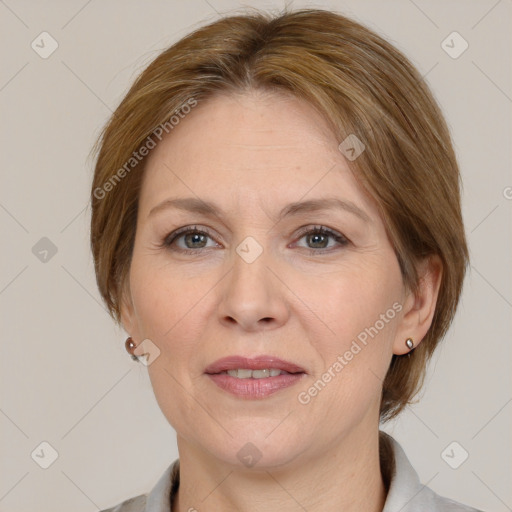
[(419, 307)]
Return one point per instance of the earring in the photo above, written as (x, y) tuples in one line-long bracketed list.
[(410, 343), (130, 346)]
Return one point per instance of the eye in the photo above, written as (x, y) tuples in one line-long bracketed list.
[(320, 237), (188, 240), (192, 240)]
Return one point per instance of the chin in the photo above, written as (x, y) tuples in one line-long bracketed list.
[(257, 444)]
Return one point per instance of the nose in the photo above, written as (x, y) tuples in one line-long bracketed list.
[(253, 298)]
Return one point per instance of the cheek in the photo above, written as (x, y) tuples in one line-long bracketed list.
[(359, 310), (351, 299), (165, 301), (167, 309)]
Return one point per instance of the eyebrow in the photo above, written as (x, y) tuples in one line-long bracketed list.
[(200, 206)]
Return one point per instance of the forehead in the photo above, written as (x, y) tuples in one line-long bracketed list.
[(255, 146)]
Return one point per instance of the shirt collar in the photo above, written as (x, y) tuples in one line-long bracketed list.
[(405, 489), (159, 499)]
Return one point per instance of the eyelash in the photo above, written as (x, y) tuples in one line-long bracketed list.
[(317, 230)]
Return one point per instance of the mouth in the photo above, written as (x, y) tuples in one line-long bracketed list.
[(252, 378), (247, 373), (255, 367)]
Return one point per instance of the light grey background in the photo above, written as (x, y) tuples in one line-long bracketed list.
[(65, 377)]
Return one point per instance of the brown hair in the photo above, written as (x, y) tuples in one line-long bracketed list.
[(362, 85)]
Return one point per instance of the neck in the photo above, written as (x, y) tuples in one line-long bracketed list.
[(346, 478)]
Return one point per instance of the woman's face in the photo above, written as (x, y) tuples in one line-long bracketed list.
[(255, 177)]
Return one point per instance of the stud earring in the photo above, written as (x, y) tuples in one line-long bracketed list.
[(410, 343), (130, 346)]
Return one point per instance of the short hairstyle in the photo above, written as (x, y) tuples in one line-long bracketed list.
[(362, 86)]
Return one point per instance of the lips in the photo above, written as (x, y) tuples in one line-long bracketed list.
[(256, 363), (254, 378)]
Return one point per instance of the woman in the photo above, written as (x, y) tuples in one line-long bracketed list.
[(276, 223)]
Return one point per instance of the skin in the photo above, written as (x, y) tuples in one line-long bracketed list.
[(303, 300)]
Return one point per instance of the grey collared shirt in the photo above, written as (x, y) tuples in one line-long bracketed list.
[(405, 494)]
